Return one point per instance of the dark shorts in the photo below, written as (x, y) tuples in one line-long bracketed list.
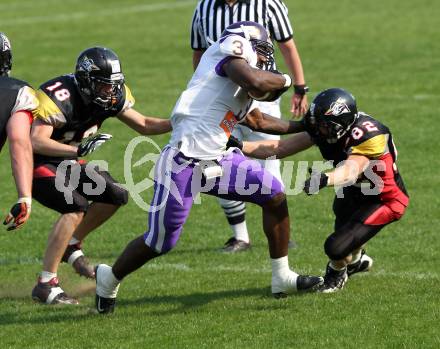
[(359, 218), (53, 192)]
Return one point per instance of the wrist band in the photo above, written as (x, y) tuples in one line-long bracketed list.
[(288, 82)]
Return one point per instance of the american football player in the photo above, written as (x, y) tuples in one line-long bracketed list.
[(72, 108), (196, 160), (371, 191), (18, 101)]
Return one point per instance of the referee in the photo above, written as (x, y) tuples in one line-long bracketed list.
[(210, 19)]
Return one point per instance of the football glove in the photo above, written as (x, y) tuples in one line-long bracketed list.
[(315, 182), (19, 214), (91, 143), (234, 143)]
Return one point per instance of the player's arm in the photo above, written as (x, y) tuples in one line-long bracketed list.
[(252, 80), (20, 148), (278, 148), (145, 125), (349, 172), (44, 145), (261, 122)]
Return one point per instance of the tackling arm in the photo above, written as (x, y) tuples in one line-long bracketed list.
[(145, 125), (349, 172), (261, 122), (280, 148)]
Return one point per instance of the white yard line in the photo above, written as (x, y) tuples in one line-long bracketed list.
[(115, 11)]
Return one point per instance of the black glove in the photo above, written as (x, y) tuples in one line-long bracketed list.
[(19, 214), (315, 182), (90, 144), (234, 143)]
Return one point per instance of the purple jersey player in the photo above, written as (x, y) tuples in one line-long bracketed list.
[(196, 159)]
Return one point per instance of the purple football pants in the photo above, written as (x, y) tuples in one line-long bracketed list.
[(178, 180)]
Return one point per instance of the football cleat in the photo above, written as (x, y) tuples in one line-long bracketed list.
[(334, 280), (51, 293), (233, 245), (75, 256), (295, 283), (362, 265), (106, 291)]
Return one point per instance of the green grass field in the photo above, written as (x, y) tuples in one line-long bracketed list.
[(384, 52)]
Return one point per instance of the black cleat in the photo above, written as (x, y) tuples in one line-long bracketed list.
[(306, 283), (233, 246), (362, 265), (334, 280), (51, 293), (105, 305)]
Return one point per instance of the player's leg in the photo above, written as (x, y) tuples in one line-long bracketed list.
[(267, 192), (169, 210), (104, 205), (235, 212), (47, 289)]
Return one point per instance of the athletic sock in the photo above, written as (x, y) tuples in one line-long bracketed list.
[(280, 269), (46, 276), (356, 257), (74, 241), (240, 231), (332, 265)]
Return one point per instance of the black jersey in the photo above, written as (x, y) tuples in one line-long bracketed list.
[(15, 95), (62, 106), (367, 137)]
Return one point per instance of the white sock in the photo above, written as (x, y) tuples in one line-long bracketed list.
[(46, 276), (74, 241), (280, 268), (240, 231)]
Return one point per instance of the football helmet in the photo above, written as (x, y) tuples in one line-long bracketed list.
[(99, 76), (5, 55), (331, 114), (259, 39)]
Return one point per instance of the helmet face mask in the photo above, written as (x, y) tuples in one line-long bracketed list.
[(5, 55), (332, 113), (99, 77)]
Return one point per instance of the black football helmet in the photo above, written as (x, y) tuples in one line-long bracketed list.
[(99, 76), (331, 114), (5, 55), (258, 37)]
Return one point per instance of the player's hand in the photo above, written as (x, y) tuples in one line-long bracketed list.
[(19, 214), (90, 144), (234, 142), (315, 182), (299, 105)]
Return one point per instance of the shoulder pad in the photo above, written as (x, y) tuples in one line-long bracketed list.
[(236, 46)]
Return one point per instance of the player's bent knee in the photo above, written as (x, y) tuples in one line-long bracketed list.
[(334, 249), (275, 201), (119, 196)]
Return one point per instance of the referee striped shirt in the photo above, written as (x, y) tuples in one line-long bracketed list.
[(211, 17)]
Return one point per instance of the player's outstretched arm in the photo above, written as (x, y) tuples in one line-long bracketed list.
[(252, 80), (278, 148), (145, 125), (261, 122)]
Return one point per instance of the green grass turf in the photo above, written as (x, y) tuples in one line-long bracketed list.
[(385, 52)]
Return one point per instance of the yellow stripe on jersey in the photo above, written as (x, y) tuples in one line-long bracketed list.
[(48, 111), (129, 99), (371, 148)]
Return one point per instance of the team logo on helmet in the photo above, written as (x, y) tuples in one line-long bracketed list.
[(88, 65), (6, 44), (337, 108)]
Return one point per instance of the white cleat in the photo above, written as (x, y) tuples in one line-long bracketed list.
[(107, 287)]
